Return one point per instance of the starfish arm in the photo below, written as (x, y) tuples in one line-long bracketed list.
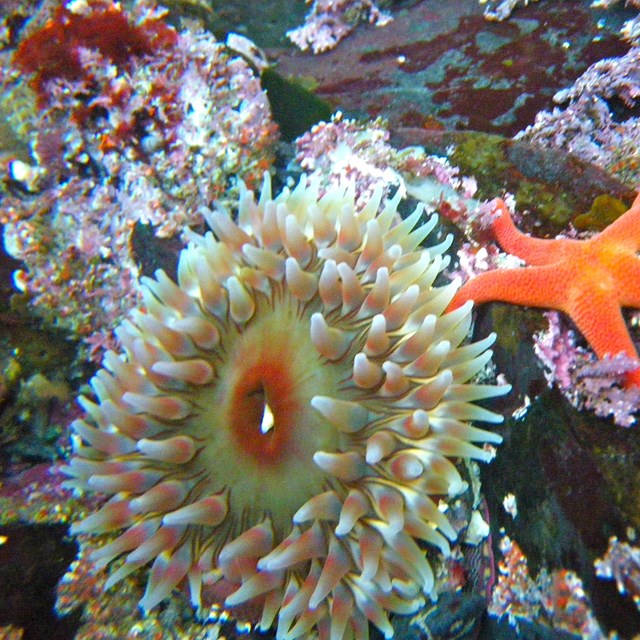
[(626, 229), (599, 319), (530, 286), (534, 251)]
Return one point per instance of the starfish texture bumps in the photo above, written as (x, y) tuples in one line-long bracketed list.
[(589, 280)]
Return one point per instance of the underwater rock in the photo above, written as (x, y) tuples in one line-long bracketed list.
[(32, 560)]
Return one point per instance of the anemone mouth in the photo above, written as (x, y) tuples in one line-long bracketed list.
[(280, 416)]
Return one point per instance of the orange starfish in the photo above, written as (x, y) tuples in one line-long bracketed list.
[(589, 280)]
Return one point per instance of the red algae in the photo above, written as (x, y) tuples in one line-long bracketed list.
[(54, 50)]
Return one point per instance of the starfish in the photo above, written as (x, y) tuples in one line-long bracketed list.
[(589, 280)]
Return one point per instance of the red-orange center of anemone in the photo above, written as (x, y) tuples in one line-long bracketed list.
[(264, 409), (256, 421)]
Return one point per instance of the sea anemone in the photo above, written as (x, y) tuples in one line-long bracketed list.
[(280, 417)]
